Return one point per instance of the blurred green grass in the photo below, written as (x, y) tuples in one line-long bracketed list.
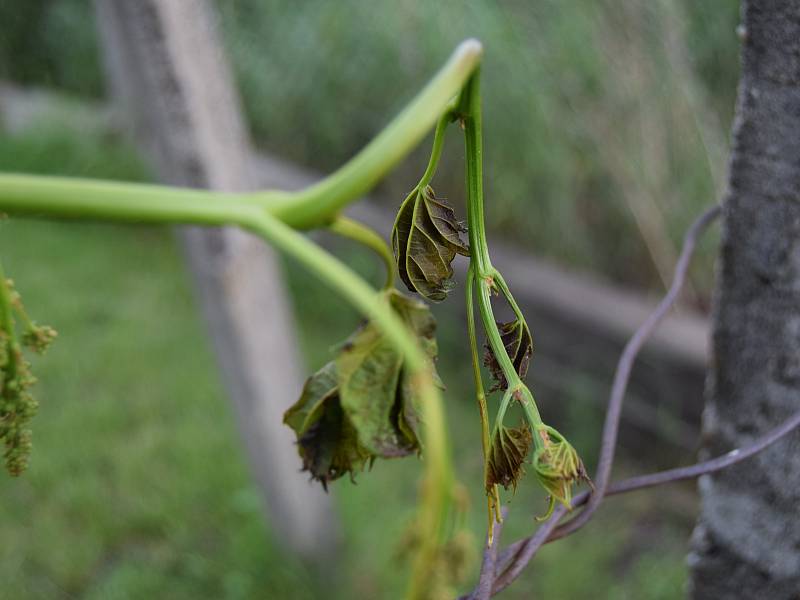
[(138, 486)]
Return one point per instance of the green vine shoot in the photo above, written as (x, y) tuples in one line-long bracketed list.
[(380, 396)]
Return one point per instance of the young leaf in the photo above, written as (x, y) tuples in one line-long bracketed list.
[(558, 467), (517, 341), (507, 454), (326, 440), (425, 239)]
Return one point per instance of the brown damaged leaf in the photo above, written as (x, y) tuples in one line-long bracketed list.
[(517, 341), (363, 404), (425, 239), (507, 455), (326, 440)]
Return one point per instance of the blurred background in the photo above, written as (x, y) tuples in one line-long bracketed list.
[(606, 132)]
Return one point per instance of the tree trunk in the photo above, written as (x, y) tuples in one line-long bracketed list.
[(747, 540), (166, 67)]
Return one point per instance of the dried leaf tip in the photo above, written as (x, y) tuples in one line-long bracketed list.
[(425, 239), (516, 338), (507, 455), (326, 440)]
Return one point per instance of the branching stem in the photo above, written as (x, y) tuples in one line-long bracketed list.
[(358, 232)]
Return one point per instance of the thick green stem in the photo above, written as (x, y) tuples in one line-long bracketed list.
[(436, 150), (531, 410), (469, 111), (362, 234), (318, 205), (493, 494), (314, 206), (487, 277), (86, 199)]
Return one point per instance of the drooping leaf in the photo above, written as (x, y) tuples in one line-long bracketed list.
[(418, 318), (364, 404), (377, 393), (517, 341), (507, 455), (425, 239), (369, 373), (326, 440)]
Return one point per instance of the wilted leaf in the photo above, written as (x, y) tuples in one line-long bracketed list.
[(418, 318), (369, 376), (364, 404), (517, 340), (326, 440), (377, 394), (507, 454), (425, 239)]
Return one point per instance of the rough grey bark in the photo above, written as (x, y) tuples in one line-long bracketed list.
[(747, 540), (166, 67)]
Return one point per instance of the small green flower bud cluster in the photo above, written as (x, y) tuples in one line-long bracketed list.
[(558, 467), (17, 405)]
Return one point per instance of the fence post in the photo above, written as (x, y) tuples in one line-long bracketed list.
[(167, 70)]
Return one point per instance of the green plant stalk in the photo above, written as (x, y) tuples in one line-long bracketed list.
[(503, 286), (493, 504), (358, 232), (86, 199), (487, 278), (318, 205), (436, 150), (470, 113), (312, 206)]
